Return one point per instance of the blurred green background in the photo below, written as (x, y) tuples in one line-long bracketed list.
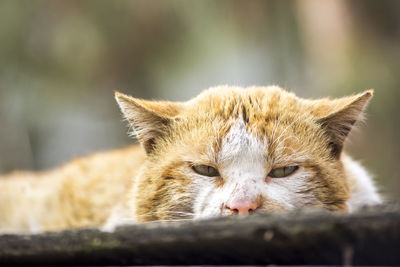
[(61, 60)]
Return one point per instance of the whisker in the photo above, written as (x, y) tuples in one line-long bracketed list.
[(171, 220), (181, 213), (275, 128), (284, 139)]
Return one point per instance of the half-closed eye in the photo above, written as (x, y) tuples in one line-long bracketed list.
[(283, 172), (205, 170)]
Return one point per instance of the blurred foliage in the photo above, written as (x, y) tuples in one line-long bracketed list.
[(61, 60)]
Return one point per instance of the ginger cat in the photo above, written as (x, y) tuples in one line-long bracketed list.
[(229, 150)]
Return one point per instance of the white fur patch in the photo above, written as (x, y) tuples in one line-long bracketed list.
[(362, 189), (242, 163), (286, 190)]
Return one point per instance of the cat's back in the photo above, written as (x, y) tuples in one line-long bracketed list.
[(79, 193)]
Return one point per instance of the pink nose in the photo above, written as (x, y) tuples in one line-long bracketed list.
[(242, 207)]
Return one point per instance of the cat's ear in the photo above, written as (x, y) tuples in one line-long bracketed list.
[(339, 122), (149, 119)]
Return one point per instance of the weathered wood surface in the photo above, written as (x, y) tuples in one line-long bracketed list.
[(368, 237)]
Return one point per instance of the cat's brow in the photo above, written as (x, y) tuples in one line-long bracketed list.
[(275, 128), (288, 127)]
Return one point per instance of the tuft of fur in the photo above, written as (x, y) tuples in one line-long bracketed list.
[(244, 133)]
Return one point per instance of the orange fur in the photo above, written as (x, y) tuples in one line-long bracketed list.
[(81, 193), (158, 183)]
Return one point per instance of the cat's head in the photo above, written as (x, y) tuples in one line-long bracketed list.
[(233, 150)]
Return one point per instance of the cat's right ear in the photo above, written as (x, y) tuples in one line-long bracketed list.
[(149, 119)]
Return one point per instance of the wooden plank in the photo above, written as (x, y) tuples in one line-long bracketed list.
[(368, 237)]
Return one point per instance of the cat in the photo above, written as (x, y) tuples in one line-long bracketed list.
[(230, 150)]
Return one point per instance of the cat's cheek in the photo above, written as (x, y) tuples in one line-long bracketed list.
[(290, 192), (213, 206), (200, 201), (211, 203), (203, 189)]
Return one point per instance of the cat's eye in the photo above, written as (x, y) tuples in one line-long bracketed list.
[(206, 170), (283, 172)]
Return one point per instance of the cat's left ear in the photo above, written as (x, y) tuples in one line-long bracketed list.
[(339, 122), (149, 119)]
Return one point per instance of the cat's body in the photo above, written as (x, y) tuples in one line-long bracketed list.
[(227, 151), (81, 193)]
